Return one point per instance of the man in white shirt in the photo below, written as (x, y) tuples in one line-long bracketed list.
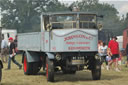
[(4, 50)]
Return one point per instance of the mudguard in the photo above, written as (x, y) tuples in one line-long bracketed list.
[(32, 56), (50, 55)]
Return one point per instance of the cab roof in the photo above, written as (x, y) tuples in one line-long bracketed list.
[(59, 13)]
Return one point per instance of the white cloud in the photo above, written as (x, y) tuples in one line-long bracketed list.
[(121, 6), (123, 9)]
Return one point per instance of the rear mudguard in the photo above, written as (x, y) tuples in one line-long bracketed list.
[(31, 56)]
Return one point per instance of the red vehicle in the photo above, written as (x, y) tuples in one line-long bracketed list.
[(125, 38)]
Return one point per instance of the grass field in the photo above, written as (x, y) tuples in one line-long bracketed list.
[(17, 77)]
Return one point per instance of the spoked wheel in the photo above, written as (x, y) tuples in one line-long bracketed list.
[(49, 70), (96, 71)]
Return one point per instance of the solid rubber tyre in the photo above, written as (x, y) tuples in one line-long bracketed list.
[(96, 72), (49, 70), (35, 68), (27, 67)]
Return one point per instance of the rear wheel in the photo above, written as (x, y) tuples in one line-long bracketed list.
[(27, 67), (36, 67), (49, 70), (96, 71), (30, 68)]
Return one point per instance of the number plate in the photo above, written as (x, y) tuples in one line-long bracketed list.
[(77, 62)]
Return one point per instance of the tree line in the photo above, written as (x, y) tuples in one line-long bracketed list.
[(22, 14)]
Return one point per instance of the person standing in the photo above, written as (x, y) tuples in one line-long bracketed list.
[(12, 54), (114, 48), (99, 44), (103, 54), (4, 50)]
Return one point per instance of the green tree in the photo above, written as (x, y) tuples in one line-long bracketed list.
[(125, 22), (111, 20), (24, 15)]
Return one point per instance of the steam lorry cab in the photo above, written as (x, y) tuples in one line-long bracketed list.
[(67, 40)]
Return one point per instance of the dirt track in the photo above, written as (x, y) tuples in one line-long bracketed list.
[(17, 77)]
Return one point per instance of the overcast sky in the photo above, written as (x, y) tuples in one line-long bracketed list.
[(121, 5)]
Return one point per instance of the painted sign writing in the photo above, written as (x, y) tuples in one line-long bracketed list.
[(78, 36), (78, 48), (73, 43)]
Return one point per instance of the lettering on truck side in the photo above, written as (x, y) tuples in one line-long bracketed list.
[(78, 48), (78, 36), (72, 43)]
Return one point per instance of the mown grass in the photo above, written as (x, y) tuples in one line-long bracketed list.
[(17, 77)]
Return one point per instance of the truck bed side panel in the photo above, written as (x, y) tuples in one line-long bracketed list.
[(29, 41)]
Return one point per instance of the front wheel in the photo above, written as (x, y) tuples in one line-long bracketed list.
[(96, 71), (49, 70), (96, 74)]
